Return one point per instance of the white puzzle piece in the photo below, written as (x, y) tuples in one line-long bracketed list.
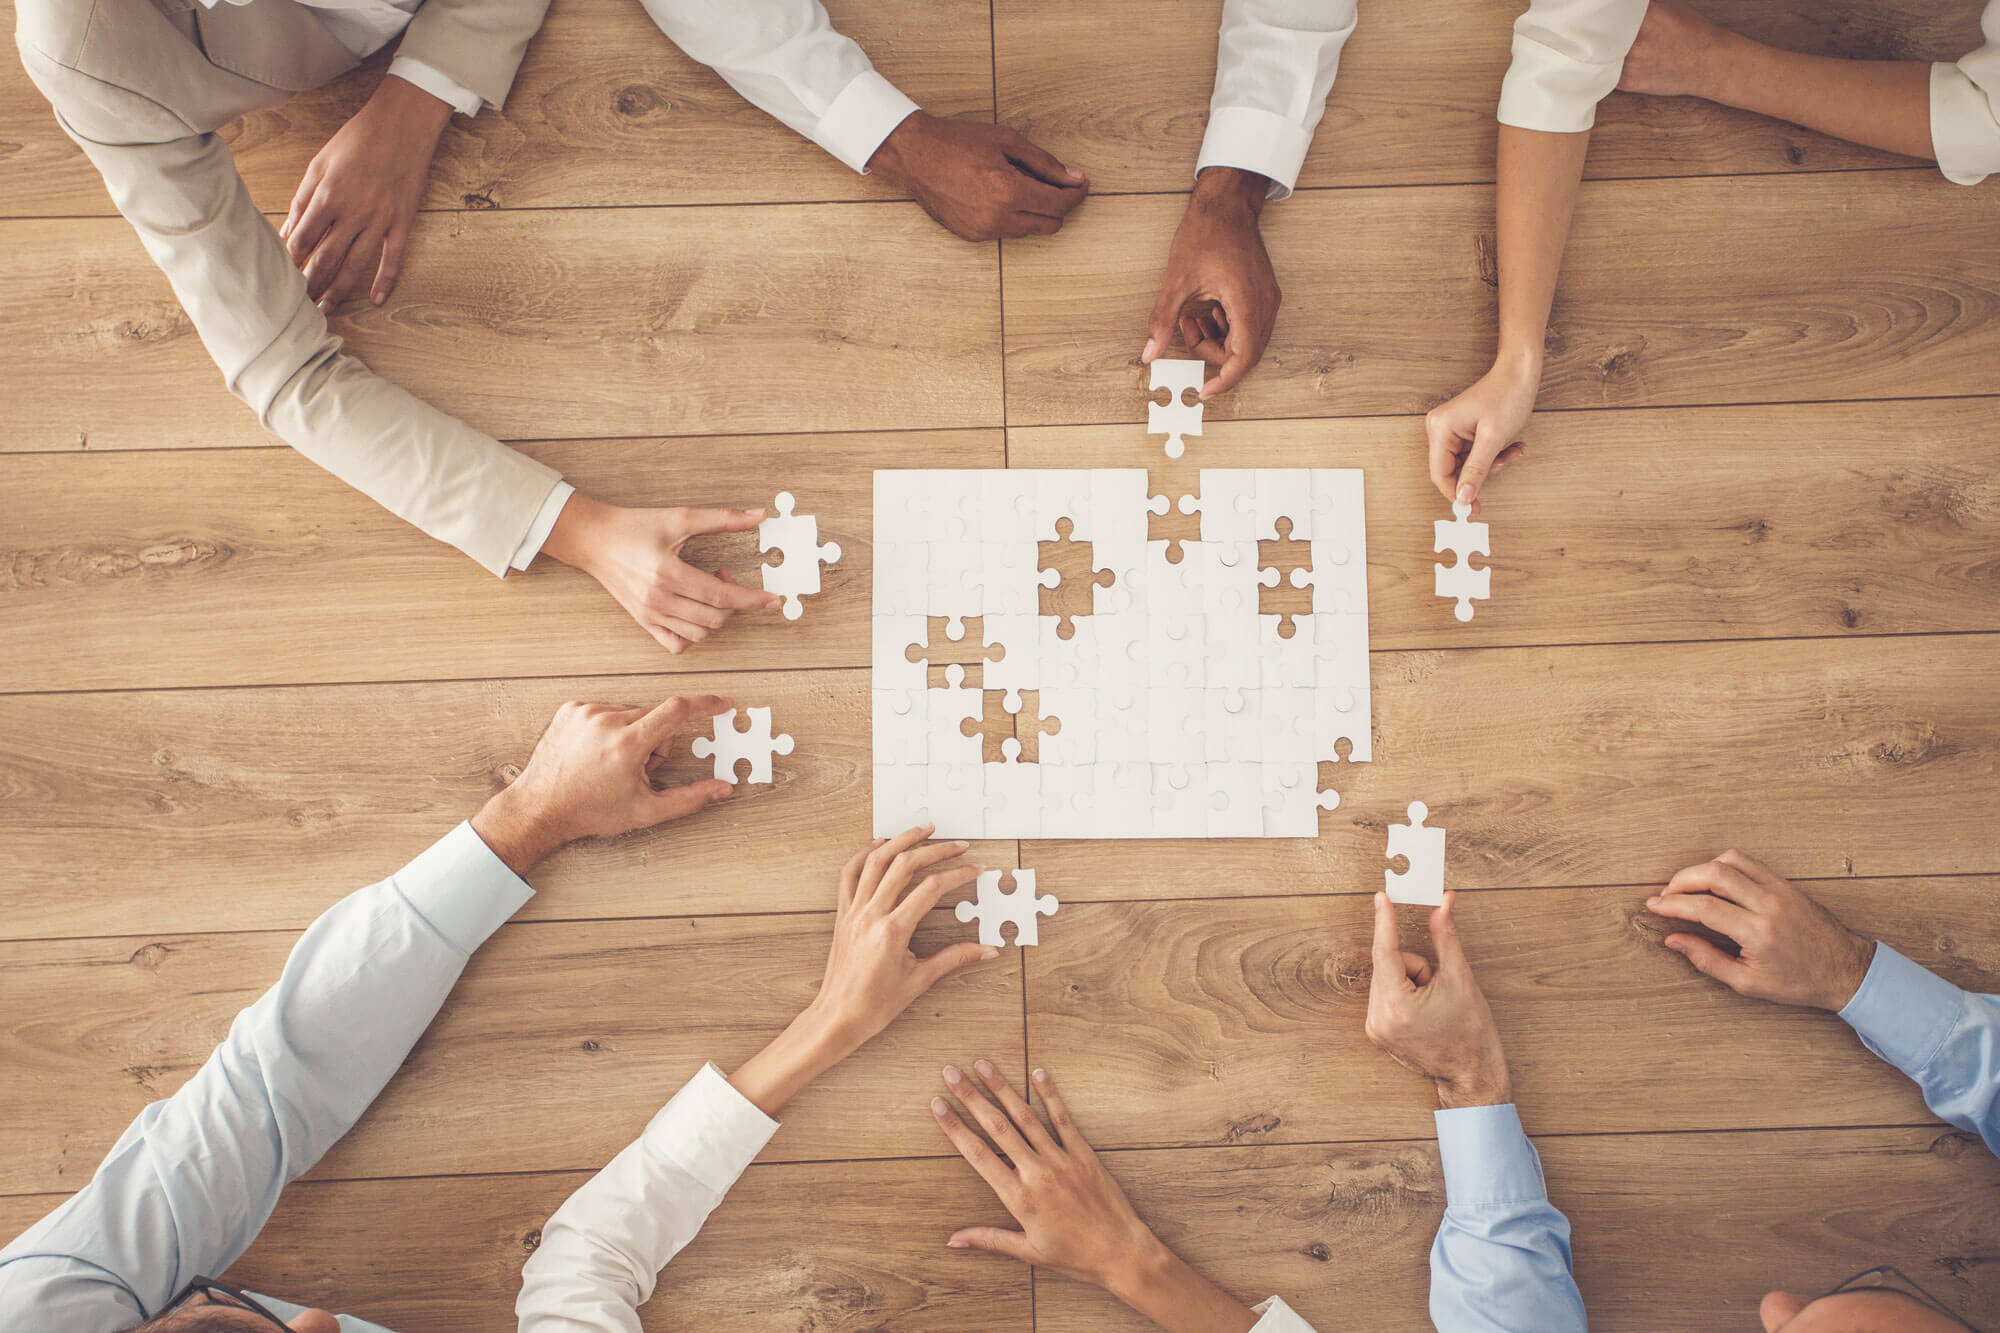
[(996, 907), (1176, 417), (1422, 846), (1461, 580), (796, 538), (731, 746)]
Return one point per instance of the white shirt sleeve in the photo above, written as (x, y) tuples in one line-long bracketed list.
[(1965, 109), (785, 57), (1567, 56), (1274, 1316), (538, 531), (441, 86), (604, 1248), (1275, 62)]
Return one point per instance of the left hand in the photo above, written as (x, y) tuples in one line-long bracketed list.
[(1435, 1019), (1220, 292), (350, 219)]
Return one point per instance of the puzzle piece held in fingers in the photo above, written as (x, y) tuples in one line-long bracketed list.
[(1461, 580), (1423, 847), (796, 538), (1176, 417), (733, 744), (995, 908)]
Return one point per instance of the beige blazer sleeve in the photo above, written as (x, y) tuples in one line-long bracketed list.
[(181, 193), (477, 43)]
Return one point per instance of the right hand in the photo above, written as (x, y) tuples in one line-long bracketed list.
[(1476, 435), (591, 776), (636, 555), (980, 181), (1789, 948), (1434, 1019)]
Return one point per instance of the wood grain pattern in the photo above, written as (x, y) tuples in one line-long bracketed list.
[(605, 111), (1680, 523), (551, 324), (1688, 291), (255, 809), (1621, 765), (589, 1025), (791, 1248), (1182, 1023), (1121, 92), (242, 567)]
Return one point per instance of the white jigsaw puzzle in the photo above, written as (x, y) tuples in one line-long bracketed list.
[(1175, 418), (1461, 580), (731, 746), (1423, 847), (995, 908), (796, 537)]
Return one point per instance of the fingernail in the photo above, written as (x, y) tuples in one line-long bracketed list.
[(956, 1244), (1041, 1076), (961, 844), (951, 1074), (938, 1108), (1152, 349), (983, 1067), (989, 955), (1653, 901), (1466, 493)]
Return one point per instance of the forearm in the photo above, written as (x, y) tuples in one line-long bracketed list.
[(1159, 1285), (812, 1044), (1881, 103), (1539, 176), (1501, 1259)]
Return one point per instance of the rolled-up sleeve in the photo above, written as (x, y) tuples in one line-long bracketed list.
[(1275, 63), (1965, 109), (1567, 56)]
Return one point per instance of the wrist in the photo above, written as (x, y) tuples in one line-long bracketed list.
[(517, 830), (574, 537), (1231, 192), (411, 108), (1519, 362), (893, 156), (806, 1049), (1144, 1269), (1856, 958), (1483, 1088)]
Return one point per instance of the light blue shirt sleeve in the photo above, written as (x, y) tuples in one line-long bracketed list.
[(188, 1186), (1946, 1039), (1501, 1258)]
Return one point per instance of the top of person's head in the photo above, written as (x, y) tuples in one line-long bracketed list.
[(1860, 1310), (205, 1319)]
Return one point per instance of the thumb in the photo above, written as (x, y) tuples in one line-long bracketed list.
[(1711, 960), (1486, 446), (1444, 936), (948, 960), (1389, 977), (999, 1240)]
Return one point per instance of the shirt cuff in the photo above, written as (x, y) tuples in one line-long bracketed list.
[(1277, 1317), (538, 531), (1965, 132), (1251, 139), (441, 86), (861, 118), (1487, 1157), (1549, 91), (710, 1130), (1903, 1012), (462, 888)]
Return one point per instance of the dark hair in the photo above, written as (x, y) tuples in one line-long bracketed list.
[(197, 1319)]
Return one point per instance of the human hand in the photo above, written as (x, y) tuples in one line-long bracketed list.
[(980, 181), (1789, 948), (872, 974), (1475, 435), (1074, 1218), (636, 555), (1219, 290), (350, 218), (1434, 1018), (591, 776), (1673, 52)]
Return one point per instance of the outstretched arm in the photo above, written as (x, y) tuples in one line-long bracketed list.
[(602, 1251), (188, 1186)]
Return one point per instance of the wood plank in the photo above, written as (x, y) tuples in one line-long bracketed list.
[(1621, 765), (866, 1252), (1342, 1231), (605, 110), (570, 323), (586, 1025), (1183, 1023), (1636, 525), (1117, 92), (256, 809), (1684, 291), (241, 567)]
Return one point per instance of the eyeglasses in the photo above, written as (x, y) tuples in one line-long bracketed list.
[(222, 1293), (1886, 1277)]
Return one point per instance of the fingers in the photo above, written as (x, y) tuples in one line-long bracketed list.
[(908, 867), (1718, 914), (301, 199), (709, 590), (997, 1239), (1026, 154), (306, 226), (1417, 968), (1044, 199), (998, 1127), (1060, 1120), (1444, 936), (975, 1150), (1014, 1105), (677, 802), (364, 254), (1245, 349), (703, 521), (1166, 312), (1755, 870), (660, 722), (909, 914), (850, 874), (1390, 980), (324, 264), (666, 637), (946, 961), (1444, 438), (1472, 474), (883, 856), (393, 246), (1707, 958), (1721, 879)]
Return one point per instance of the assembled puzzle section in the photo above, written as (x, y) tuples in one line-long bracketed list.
[(1044, 666)]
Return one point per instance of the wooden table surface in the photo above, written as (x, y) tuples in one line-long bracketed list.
[(1746, 593)]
